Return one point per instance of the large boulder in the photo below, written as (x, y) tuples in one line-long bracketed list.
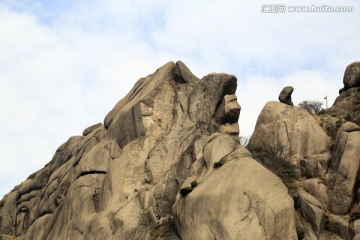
[(288, 133), (352, 76), (236, 199), (347, 104), (285, 95)]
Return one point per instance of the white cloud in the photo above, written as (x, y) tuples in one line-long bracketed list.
[(63, 66)]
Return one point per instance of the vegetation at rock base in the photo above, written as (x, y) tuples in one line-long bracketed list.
[(285, 171), (313, 107)]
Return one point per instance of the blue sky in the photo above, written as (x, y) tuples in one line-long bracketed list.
[(65, 64)]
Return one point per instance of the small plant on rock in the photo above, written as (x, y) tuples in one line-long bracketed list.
[(193, 184), (2, 202), (217, 165), (186, 190)]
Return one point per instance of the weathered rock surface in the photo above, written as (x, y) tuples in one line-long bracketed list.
[(312, 210), (347, 104), (285, 95), (167, 165), (264, 209), (289, 133), (339, 225), (324, 149), (120, 180), (352, 76), (344, 169)]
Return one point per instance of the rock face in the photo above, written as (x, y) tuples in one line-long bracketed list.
[(324, 150), (289, 133), (167, 165), (285, 95), (121, 180), (347, 104), (264, 209), (352, 76)]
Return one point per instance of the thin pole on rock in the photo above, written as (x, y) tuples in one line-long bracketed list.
[(326, 101)]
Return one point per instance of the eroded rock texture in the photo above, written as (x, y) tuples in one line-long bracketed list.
[(324, 150), (121, 180)]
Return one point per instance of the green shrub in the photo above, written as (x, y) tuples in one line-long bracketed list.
[(332, 147), (185, 191), (193, 184), (217, 165)]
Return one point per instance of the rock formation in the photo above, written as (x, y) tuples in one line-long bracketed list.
[(351, 76), (166, 164), (324, 150), (285, 95)]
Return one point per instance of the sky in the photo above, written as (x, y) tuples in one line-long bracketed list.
[(64, 64)]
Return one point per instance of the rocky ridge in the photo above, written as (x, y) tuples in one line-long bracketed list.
[(167, 164), (323, 153)]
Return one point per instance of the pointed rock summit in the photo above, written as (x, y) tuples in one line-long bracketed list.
[(166, 164)]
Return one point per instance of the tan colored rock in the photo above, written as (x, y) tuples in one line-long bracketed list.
[(345, 167), (357, 226), (120, 181), (229, 110), (316, 165), (217, 148), (312, 210), (254, 202), (339, 226), (318, 189), (289, 133), (91, 128), (357, 237), (352, 76)]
